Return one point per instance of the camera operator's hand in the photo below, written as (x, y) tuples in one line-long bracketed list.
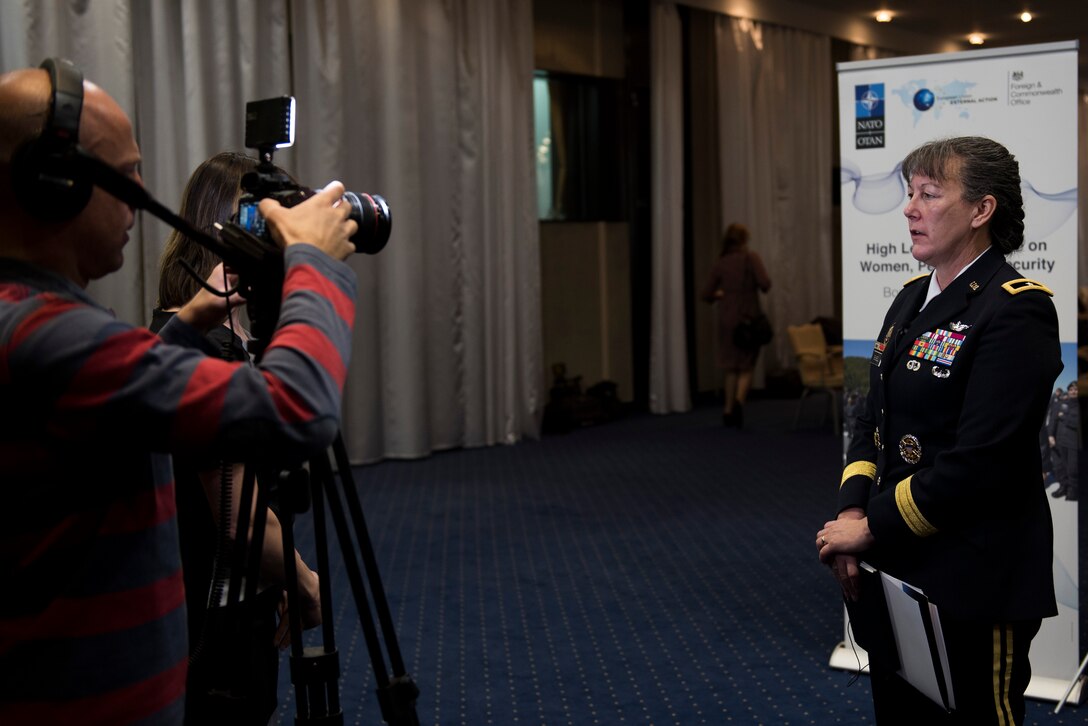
[(321, 221), (205, 310), (309, 592)]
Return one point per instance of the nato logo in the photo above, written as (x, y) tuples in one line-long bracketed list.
[(924, 99), (869, 100), (869, 123)]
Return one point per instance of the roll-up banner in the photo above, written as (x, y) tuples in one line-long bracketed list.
[(1026, 98)]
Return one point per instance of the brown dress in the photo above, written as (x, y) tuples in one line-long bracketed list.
[(741, 297)]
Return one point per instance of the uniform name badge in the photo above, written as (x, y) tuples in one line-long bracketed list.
[(880, 346)]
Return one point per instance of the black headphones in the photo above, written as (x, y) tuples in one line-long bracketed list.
[(46, 176), (52, 176)]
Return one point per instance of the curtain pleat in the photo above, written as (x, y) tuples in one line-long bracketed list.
[(196, 64), (669, 389)]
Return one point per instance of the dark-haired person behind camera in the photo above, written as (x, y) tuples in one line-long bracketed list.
[(93, 624), (234, 663), (941, 486)]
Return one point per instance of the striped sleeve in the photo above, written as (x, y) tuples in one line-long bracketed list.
[(291, 403), (173, 397)]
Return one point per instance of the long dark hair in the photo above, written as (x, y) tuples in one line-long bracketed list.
[(210, 196)]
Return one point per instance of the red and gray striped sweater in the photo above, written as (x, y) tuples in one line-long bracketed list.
[(92, 617)]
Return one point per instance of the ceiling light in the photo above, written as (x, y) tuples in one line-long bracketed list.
[(1026, 16), (883, 16), (976, 39)]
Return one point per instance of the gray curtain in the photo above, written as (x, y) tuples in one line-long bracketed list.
[(761, 155), (669, 389), (427, 103), (774, 111)]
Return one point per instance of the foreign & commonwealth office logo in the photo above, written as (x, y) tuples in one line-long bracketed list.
[(869, 115)]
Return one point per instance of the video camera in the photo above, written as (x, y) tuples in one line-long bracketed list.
[(245, 242), (270, 125)]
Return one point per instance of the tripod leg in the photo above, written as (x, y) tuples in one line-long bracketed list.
[(1072, 684), (370, 562), (315, 671), (328, 691), (256, 540), (322, 471), (397, 696), (241, 544), (294, 617)]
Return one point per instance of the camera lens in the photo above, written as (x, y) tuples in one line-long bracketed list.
[(371, 213)]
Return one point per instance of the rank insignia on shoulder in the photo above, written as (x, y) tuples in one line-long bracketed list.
[(1023, 284), (916, 278), (958, 326)]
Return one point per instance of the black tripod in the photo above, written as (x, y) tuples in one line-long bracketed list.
[(259, 263), (315, 671)]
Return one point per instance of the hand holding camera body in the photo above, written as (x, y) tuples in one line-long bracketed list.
[(270, 125)]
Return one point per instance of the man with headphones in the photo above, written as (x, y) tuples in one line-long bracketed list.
[(92, 625)]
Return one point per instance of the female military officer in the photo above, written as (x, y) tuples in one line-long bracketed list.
[(941, 487)]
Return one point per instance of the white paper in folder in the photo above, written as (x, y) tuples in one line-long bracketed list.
[(923, 660)]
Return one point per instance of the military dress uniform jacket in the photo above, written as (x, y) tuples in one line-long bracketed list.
[(945, 455)]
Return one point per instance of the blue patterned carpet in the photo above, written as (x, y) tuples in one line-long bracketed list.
[(656, 570)]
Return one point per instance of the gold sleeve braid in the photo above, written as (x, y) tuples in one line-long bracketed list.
[(858, 468), (908, 510)]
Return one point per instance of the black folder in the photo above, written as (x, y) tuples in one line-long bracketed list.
[(870, 622)]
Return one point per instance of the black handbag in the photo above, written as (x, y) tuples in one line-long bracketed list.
[(753, 331)]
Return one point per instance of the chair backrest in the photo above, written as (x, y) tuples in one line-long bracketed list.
[(808, 338), (813, 360)]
